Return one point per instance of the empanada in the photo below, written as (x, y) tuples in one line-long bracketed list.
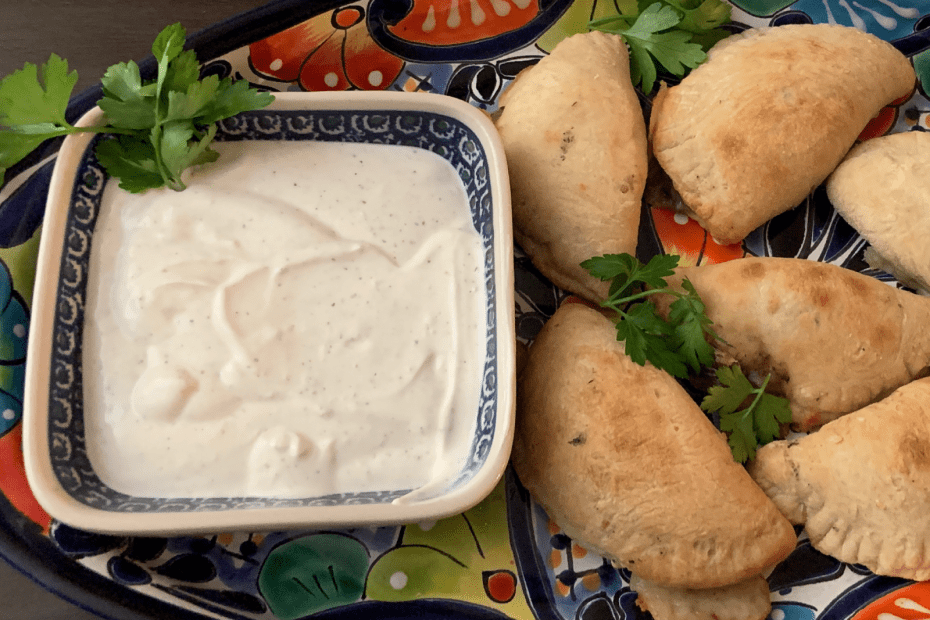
[(834, 340), (575, 139), (627, 464), (751, 132), (747, 600), (882, 188), (860, 484)]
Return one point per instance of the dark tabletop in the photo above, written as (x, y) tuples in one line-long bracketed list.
[(91, 35)]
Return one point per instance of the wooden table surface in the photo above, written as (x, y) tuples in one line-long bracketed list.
[(91, 35)]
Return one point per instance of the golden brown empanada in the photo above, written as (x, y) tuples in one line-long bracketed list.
[(747, 600), (882, 188), (575, 140), (834, 340), (627, 464), (860, 484), (751, 132)]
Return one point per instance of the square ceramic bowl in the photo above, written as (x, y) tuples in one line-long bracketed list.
[(59, 470)]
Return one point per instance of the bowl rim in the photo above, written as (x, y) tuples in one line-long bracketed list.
[(36, 452)]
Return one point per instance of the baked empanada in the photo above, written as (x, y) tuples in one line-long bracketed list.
[(575, 140), (882, 188), (747, 600), (833, 339), (627, 464), (751, 132), (860, 484)]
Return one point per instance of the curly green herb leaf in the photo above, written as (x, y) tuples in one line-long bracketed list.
[(163, 126), (676, 34), (678, 344), (753, 425)]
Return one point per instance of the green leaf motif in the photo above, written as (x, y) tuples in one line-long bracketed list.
[(313, 573)]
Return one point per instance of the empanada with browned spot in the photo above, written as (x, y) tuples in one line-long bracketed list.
[(747, 600), (882, 188), (628, 465), (834, 340), (575, 139), (860, 484), (748, 134)]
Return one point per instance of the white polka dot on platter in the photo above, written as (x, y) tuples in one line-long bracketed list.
[(331, 79), (19, 330), (9, 414), (398, 580), (681, 219), (375, 78), (276, 64)]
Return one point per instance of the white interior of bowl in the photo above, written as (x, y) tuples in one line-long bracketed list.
[(245, 513)]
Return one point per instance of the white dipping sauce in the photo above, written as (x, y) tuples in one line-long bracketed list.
[(306, 318)]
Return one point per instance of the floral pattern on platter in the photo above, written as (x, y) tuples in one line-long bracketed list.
[(505, 557), (329, 52), (888, 19)]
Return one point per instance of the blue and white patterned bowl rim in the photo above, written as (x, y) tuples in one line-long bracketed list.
[(446, 136)]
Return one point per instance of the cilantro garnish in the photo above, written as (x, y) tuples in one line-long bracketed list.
[(751, 426), (679, 344), (158, 127), (675, 344), (676, 33)]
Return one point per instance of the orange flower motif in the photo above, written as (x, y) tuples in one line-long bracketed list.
[(452, 22), (884, 120), (13, 483), (683, 236), (909, 603), (330, 52)]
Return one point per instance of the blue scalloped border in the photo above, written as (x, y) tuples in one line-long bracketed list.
[(441, 134)]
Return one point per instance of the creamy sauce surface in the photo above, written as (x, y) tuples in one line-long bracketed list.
[(300, 321)]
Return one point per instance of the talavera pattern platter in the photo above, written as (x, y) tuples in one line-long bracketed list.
[(504, 558)]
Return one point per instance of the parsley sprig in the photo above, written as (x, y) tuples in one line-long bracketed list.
[(674, 345), (676, 33), (748, 426), (679, 345), (158, 128)]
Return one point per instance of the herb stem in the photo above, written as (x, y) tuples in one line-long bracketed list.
[(642, 294), (759, 391), (99, 129)]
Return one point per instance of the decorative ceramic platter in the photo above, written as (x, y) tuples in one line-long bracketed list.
[(505, 557)]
